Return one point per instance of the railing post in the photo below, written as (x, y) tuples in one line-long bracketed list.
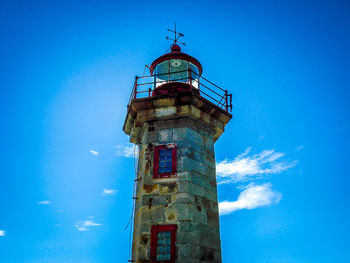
[(149, 92), (226, 106), (199, 82), (154, 81), (135, 95), (168, 71)]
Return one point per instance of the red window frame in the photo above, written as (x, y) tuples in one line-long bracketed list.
[(155, 229), (156, 173)]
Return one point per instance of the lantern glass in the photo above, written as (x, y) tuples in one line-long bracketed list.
[(176, 70)]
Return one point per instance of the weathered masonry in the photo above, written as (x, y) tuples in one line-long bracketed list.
[(175, 116)]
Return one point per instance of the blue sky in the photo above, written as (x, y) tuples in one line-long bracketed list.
[(66, 73)]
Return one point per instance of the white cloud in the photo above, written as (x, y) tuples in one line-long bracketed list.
[(45, 202), (300, 147), (109, 191), (252, 197), (2, 233), (89, 223), (81, 228), (94, 152), (86, 225), (247, 166), (126, 150)]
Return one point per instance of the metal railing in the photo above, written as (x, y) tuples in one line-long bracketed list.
[(145, 87)]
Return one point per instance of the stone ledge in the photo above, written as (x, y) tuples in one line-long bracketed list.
[(192, 106)]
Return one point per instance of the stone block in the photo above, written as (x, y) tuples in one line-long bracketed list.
[(165, 111), (212, 196), (208, 254), (165, 135), (183, 176), (155, 199), (153, 215), (213, 217), (193, 136), (182, 198), (168, 188), (199, 179), (196, 112), (188, 164), (179, 134), (184, 211), (209, 161), (183, 186), (186, 239), (195, 189), (188, 251), (150, 189), (185, 225), (170, 215), (144, 228), (200, 215)]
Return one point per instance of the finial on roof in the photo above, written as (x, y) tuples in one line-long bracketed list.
[(175, 48)]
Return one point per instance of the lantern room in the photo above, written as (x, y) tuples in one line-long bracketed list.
[(176, 66), (175, 74)]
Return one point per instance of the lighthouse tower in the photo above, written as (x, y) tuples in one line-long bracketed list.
[(175, 116)]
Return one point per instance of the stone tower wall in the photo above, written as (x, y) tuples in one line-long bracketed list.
[(188, 200)]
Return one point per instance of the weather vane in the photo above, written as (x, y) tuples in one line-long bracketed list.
[(177, 36)]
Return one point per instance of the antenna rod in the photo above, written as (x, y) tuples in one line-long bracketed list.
[(177, 36)]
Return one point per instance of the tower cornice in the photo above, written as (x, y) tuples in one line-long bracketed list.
[(172, 106)]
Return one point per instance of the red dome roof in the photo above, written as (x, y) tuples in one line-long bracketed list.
[(176, 54)]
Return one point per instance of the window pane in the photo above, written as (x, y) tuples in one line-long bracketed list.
[(194, 75), (194, 69), (161, 73), (163, 246), (167, 249), (165, 161), (165, 170), (162, 70), (167, 242), (177, 65)]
